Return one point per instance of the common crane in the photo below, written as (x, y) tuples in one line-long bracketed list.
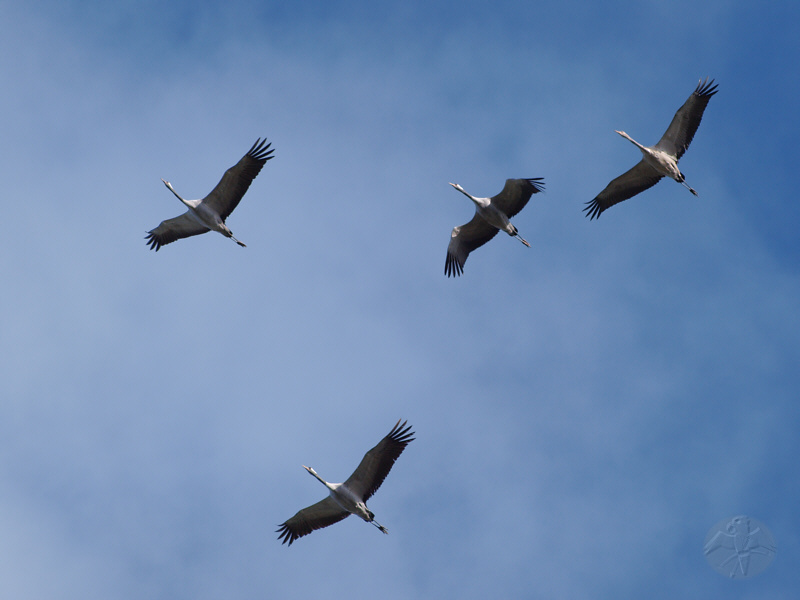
[(491, 215), (351, 496), (660, 160), (209, 214)]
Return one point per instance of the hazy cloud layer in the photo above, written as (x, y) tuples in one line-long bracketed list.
[(585, 409)]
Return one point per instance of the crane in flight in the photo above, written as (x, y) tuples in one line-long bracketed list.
[(209, 214), (491, 215), (660, 160), (350, 497)]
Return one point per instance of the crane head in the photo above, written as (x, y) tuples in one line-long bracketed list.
[(460, 189), (169, 185), (314, 473)]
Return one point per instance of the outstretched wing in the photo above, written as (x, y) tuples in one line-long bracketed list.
[(236, 181), (516, 193), (174, 229), (464, 240), (323, 513), (684, 124), (377, 463), (641, 177)]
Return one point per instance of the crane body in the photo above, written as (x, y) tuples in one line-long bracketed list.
[(662, 162), (492, 215), (348, 500)]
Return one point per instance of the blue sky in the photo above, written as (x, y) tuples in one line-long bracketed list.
[(585, 409)]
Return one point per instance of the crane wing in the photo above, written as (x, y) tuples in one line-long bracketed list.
[(323, 513), (464, 240), (684, 124), (641, 177), (377, 463), (516, 193), (236, 180), (174, 229)]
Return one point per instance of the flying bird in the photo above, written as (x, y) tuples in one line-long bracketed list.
[(491, 216), (209, 214), (660, 160), (351, 496)]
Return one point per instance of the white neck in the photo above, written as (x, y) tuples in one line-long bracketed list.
[(630, 139), (171, 189), (477, 201), (330, 486)]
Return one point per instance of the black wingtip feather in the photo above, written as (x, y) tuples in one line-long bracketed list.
[(152, 241), (706, 88), (592, 209), (286, 534), (401, 433), (261, 152), (537, 183), (452, 268)]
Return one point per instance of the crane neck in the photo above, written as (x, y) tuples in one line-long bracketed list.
[(332, 487), (478, 201), (631, 140), (172, 189)]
